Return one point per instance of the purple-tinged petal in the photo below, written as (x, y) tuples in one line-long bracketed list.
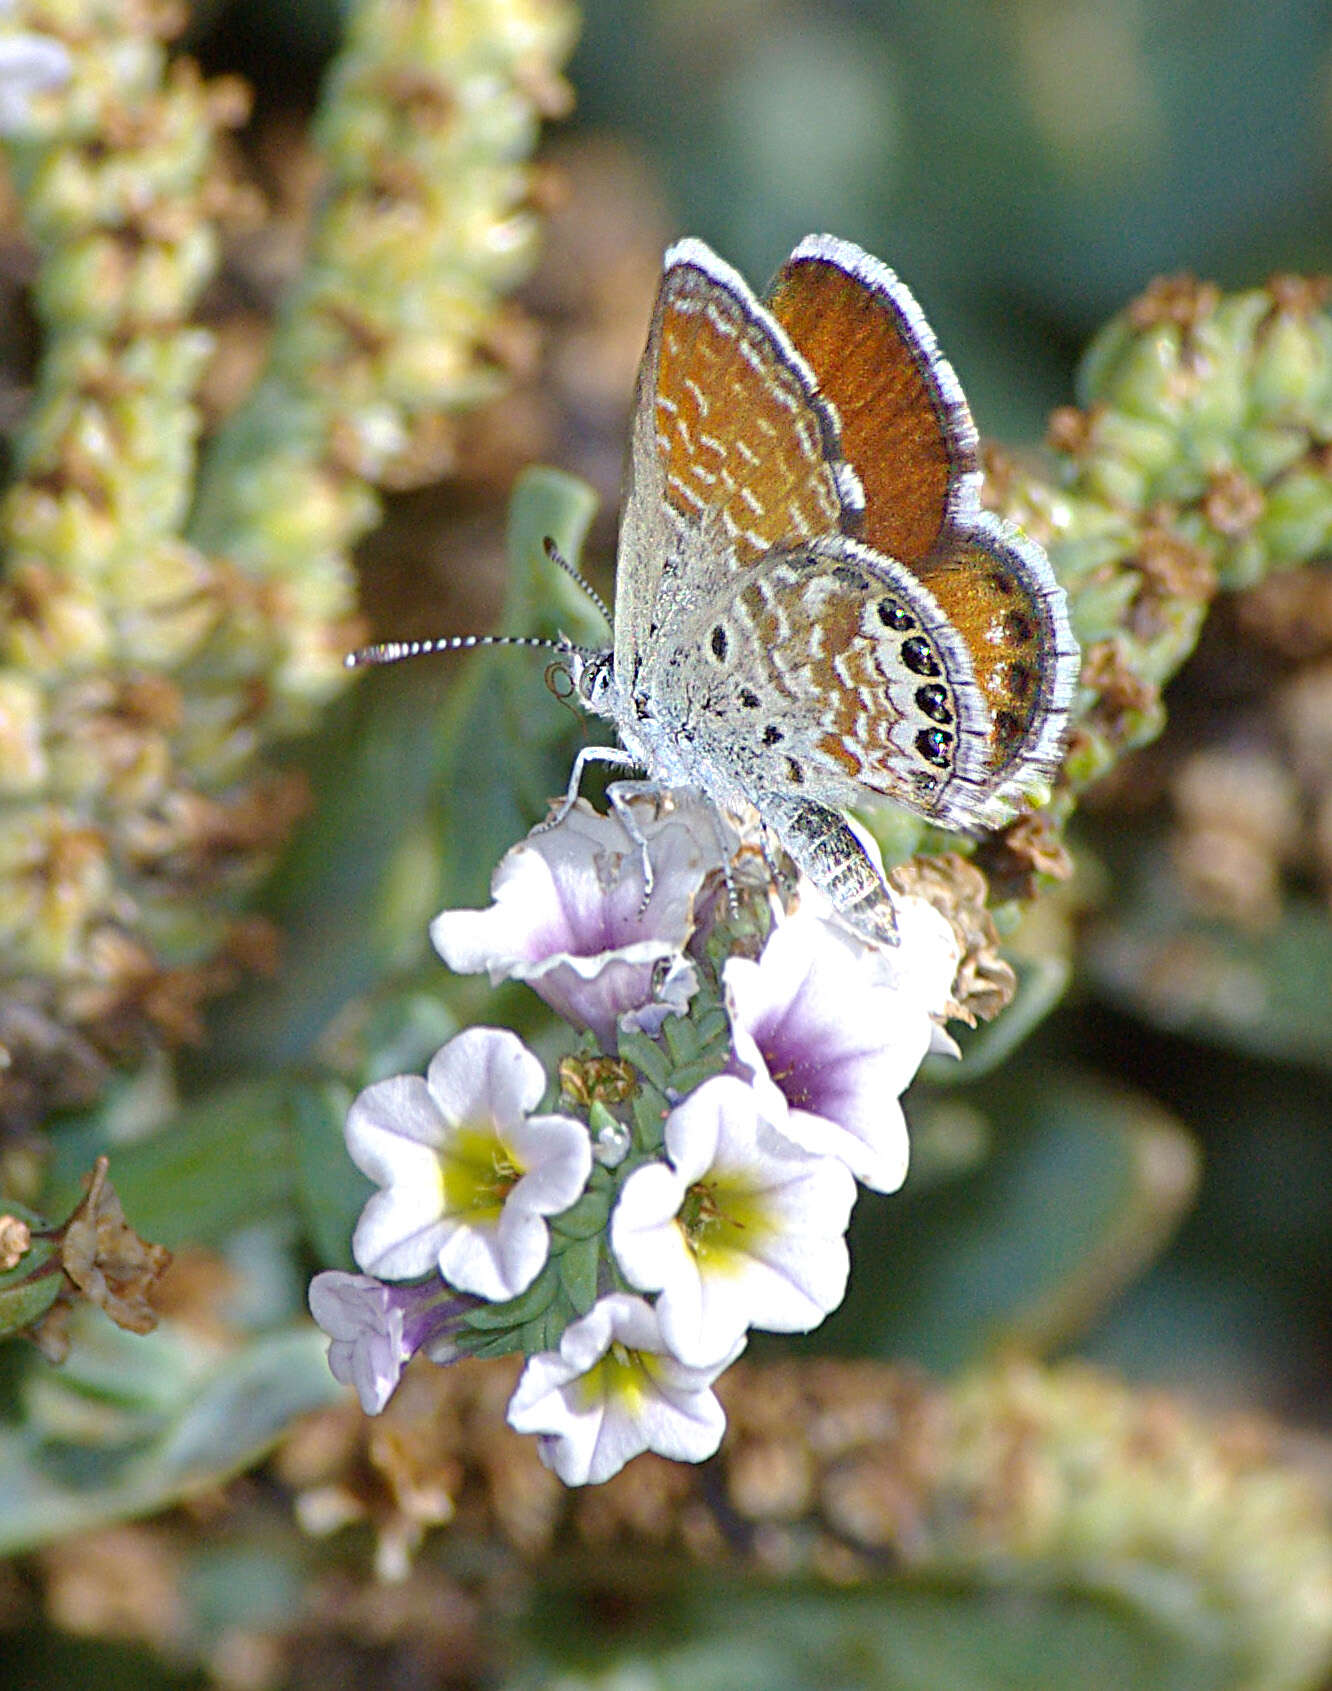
[(568, 917), (830, 1034), (375, 1329)]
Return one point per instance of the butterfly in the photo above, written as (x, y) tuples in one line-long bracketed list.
[(812, 609)]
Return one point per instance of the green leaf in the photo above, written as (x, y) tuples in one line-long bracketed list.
[(220, 1163), (504, 1341), (29, 1289), (549, 504), (1084, 1186), (508, 743), (359, 884), (586, 1218), (600, 1120), (527, 1306), (132, 1424), (650, 1110), (648, 1058), (330, 1189), (724, 1637), (578, 1273), (1266, 993)]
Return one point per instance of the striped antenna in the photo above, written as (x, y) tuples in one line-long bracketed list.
[(394, 651), (557, 557)]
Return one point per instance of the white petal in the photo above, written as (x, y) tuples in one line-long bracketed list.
[(485, 1072), (393, 1119), (556, 1153), (649, 1246), (401, 1231), (475, 1259), (772, 1253)]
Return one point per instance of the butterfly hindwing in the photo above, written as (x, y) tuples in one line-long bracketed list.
[(999, 594), (905, 720)]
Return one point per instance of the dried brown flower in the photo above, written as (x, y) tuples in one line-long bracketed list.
[(958, 890)]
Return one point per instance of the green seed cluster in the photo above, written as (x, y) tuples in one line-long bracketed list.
[(165, 620), (1199, 462)]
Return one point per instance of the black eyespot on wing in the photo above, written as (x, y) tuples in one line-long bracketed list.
[(933, 702), (935, 746), (891, 615), (1020, 679), (719, 643), (772, 735), (1018, 628), (749, 698), (796, 772), (918, 657)]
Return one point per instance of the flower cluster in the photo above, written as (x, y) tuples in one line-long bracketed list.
[(740, 1068)]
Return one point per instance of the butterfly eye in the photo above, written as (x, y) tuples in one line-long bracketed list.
[(592, 677)]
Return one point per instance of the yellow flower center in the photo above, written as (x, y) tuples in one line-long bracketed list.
[(477, 1172), (622, 1377), (723, 1223)]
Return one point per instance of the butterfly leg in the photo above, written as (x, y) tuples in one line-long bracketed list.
[(587, 754), (682, 798), (620, 795), (830, 854)]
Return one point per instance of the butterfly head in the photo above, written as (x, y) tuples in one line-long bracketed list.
[(593, 677)]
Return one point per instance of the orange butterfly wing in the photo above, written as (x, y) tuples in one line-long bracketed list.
[(907, 432)]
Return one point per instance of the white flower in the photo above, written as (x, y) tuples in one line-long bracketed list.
[(741, 1229), (831, 1031), (375, 1330), (568, 917), (468, 1175), (613, 1390)]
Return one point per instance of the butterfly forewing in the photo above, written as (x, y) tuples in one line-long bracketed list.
[(905, 426), (743, 438)]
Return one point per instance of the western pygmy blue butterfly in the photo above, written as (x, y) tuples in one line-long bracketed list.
[(812, 610)]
